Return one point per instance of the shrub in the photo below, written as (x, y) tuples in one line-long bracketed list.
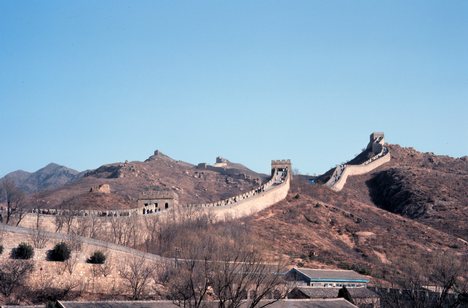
[(1, 249), (23, 251), (361, 269), (98, 257), (60, 252)]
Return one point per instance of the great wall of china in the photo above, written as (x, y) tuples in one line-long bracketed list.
[(273, 191), (247, 203), (381, 156)]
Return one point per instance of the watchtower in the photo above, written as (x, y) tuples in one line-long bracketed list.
[(283, 165), (156, 201), (376, 142)]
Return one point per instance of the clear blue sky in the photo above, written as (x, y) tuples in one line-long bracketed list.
[(84, 83)]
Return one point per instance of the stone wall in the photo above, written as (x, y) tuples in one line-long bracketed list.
[(382, 156), (256, 203), (351, 170), (273, 191), (269, 193)]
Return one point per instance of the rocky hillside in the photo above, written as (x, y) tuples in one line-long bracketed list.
[(428, 188), (399, 218), (119, 185), (50, 177)]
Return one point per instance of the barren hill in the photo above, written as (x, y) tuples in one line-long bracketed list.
[(428, 188), (119, 185), (404, 214), (49, 177)]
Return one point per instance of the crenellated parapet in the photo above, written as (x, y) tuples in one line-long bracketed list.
[(282, 165), (381, 155), (376, 142)]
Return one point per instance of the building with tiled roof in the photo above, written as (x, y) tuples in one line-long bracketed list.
[(360, 296), (324, 278)]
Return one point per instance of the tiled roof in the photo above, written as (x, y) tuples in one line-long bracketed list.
[(313, 292), (326, 274)]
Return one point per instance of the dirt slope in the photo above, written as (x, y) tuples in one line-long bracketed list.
[(404, 214), (428, 188), (317, 227)]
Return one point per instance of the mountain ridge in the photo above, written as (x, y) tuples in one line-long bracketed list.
[(48, 177)]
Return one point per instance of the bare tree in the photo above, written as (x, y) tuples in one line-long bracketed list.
[(239, 274), (15, 210), (38, 218), (106, 268), (74, 242), (70, 263), (69, 217), (448, 274), (59, 223), (39, 239), (153, 226), (434, 285), (123, 230), (229, 271), (13, 274), (82, 227), (189, 282), (136, 275), (89, 226)]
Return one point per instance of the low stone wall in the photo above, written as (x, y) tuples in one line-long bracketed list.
[(364, 168), (85, 240)]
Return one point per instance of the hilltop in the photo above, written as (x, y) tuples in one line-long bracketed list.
[(119, 185), (424, 187)]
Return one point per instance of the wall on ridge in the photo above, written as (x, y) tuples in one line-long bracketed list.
[(358, 170), (269, 193), (254, 204)]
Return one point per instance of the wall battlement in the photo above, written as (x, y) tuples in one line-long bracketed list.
[(381, 156), (281, 163)]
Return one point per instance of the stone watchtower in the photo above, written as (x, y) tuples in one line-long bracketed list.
[(282, 165), (156, 201), (376, 142)]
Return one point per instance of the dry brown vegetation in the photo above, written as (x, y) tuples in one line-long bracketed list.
[(220, 266), (404, 224), (316, 226)]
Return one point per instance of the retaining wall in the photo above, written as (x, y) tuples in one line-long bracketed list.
[(85, 240)]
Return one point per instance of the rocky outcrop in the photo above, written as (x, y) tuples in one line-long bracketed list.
[(392, 190), (103, 188)]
